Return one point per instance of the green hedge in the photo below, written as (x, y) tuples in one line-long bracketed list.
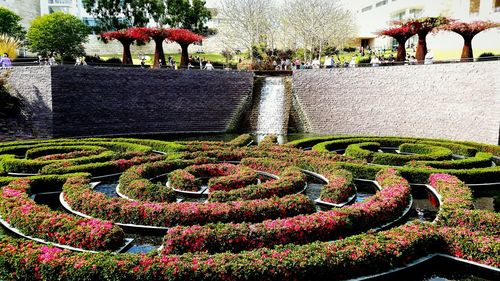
[(458, 147)]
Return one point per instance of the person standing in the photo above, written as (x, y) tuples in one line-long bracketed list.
[(429, 57), (5, 61), (297, 63), (209, 66), (352, 63)]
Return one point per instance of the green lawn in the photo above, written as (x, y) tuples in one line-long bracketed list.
[(344, 56)]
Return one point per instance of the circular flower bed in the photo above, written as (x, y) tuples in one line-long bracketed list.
[(250, 226)]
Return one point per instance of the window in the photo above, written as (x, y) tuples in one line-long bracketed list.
[(366, 9), (60, 2), (474, 7), (58, 9), (381, 3), (415, 13), (399, 16)]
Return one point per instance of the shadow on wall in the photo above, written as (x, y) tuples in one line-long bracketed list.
[(20, 115)]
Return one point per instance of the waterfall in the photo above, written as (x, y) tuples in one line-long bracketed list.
[(272, 109)]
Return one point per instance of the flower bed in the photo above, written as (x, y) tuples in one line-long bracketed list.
[(347, 258), (457, 206), (382, 208), (39, 221), (239, 179), (259, 250), (81, 198), (339, 187), (188, 179)]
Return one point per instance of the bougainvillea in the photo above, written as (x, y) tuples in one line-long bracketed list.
[(468, 31), (424, 26), (184, 38), (401, 32), (127, 37), (158, 35)]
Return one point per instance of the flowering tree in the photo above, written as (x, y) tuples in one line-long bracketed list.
[(468, 31), (127, 37), (158, 35), (401, 32), (422, 27), (184, 38)]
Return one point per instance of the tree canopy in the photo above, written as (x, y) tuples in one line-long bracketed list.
[(9, 24), (58, 33), (120, 14), (184, 38), (185, 14), (401, 32), (127, 37), (468, 31)]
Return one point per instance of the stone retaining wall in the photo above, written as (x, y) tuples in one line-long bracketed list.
[(85, 101), (451, 101)]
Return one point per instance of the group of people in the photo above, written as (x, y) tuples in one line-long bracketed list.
[(5, 61), (172, 64), (50, 60)]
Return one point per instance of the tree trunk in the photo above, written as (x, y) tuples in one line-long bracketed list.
[(184, 55), (421, 47), (467, 54), (401, 55), (159, 53), (127, 55)]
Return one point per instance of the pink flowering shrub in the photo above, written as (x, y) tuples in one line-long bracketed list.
[(456, 209), (240, 178), (81, 198), (381, 208), (339, 188), (41, 222)]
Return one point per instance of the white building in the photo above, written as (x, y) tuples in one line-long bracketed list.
[(375, 15)]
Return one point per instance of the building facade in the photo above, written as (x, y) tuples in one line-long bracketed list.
[(27, 9), (375, 15)]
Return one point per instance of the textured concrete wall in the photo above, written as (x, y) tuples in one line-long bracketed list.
[(105, 101), (451, 101), (32, 85)]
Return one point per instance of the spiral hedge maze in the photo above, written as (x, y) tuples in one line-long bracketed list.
[(251, 217)]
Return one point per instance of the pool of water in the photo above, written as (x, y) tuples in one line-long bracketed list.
[(487, 198)]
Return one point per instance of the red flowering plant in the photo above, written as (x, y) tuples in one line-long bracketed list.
[(468, 30), (423, 26), (457, 206), (339, 188), (158, 34), (126, 37), (41, 222), (242, 177), (382, 208), (81, 198), (291, 180), (69, 155), (347, 258), (188, 179), (183, 180), (184, 38), (401, 32)]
